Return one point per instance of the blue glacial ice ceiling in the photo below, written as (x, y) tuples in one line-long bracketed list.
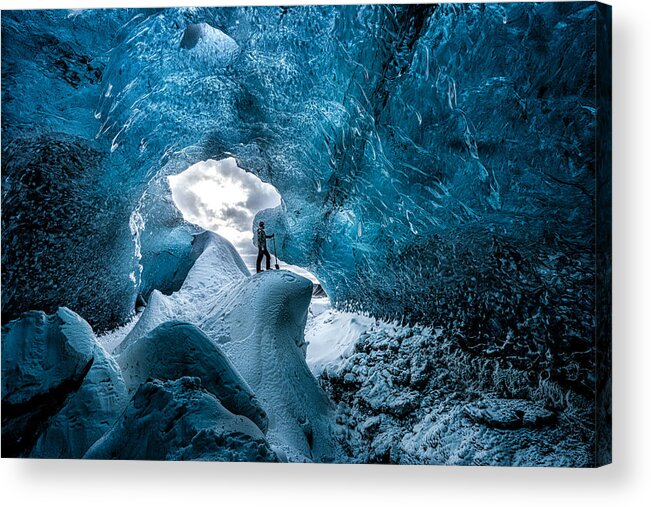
[(436, 163)]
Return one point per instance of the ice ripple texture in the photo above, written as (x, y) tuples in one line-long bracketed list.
[(436, 163)]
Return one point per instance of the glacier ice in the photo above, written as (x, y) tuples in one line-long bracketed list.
[(387, 157), (436, 165), (163, 243), (179, 420), (60, 390), (177, 349), (63, 393), (258, 323), (87, 413)]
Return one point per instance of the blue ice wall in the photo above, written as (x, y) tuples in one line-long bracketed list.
[(65, 202), (436, 163)]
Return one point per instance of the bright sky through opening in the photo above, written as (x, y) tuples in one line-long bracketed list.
[(223, 198)]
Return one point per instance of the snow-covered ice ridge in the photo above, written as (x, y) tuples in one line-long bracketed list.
[(215, 371)]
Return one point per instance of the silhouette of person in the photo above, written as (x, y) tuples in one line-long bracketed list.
[(262, 248)]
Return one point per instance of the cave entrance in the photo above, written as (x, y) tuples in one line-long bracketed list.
[(220, 196)]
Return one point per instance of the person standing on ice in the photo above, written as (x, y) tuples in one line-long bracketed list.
[(262, 247)]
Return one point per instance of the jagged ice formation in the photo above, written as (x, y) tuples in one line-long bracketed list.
[(435, 162)]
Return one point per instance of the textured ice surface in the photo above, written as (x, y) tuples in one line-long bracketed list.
[(410, 395), (258, 322), (177, 349), (179, 420), (388, 147), (509, 414), (39, 352), (163, 243), (60, 390), (260, 327), (87, 414), (435, 162)]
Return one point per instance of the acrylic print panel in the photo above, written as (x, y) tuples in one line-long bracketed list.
[(434, 184)]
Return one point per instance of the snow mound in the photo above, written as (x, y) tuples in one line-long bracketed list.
[(61, 390), (331, 335), (177, 349), (179, 420), (217, 267), (260, 327), (157, 312), (40, 352), (258, 322)]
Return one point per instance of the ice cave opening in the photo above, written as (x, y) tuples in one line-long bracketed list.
[(433, 166), (222, 197)]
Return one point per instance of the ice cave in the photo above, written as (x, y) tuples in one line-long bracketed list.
[(432, 166)]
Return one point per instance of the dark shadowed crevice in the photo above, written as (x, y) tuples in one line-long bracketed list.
[(23, 423)]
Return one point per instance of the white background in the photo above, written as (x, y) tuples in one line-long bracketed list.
[(626, 482)]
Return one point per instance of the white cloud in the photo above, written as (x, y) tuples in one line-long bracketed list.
[(221, 197)]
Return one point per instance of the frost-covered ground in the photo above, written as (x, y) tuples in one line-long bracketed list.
[(409, 394)]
